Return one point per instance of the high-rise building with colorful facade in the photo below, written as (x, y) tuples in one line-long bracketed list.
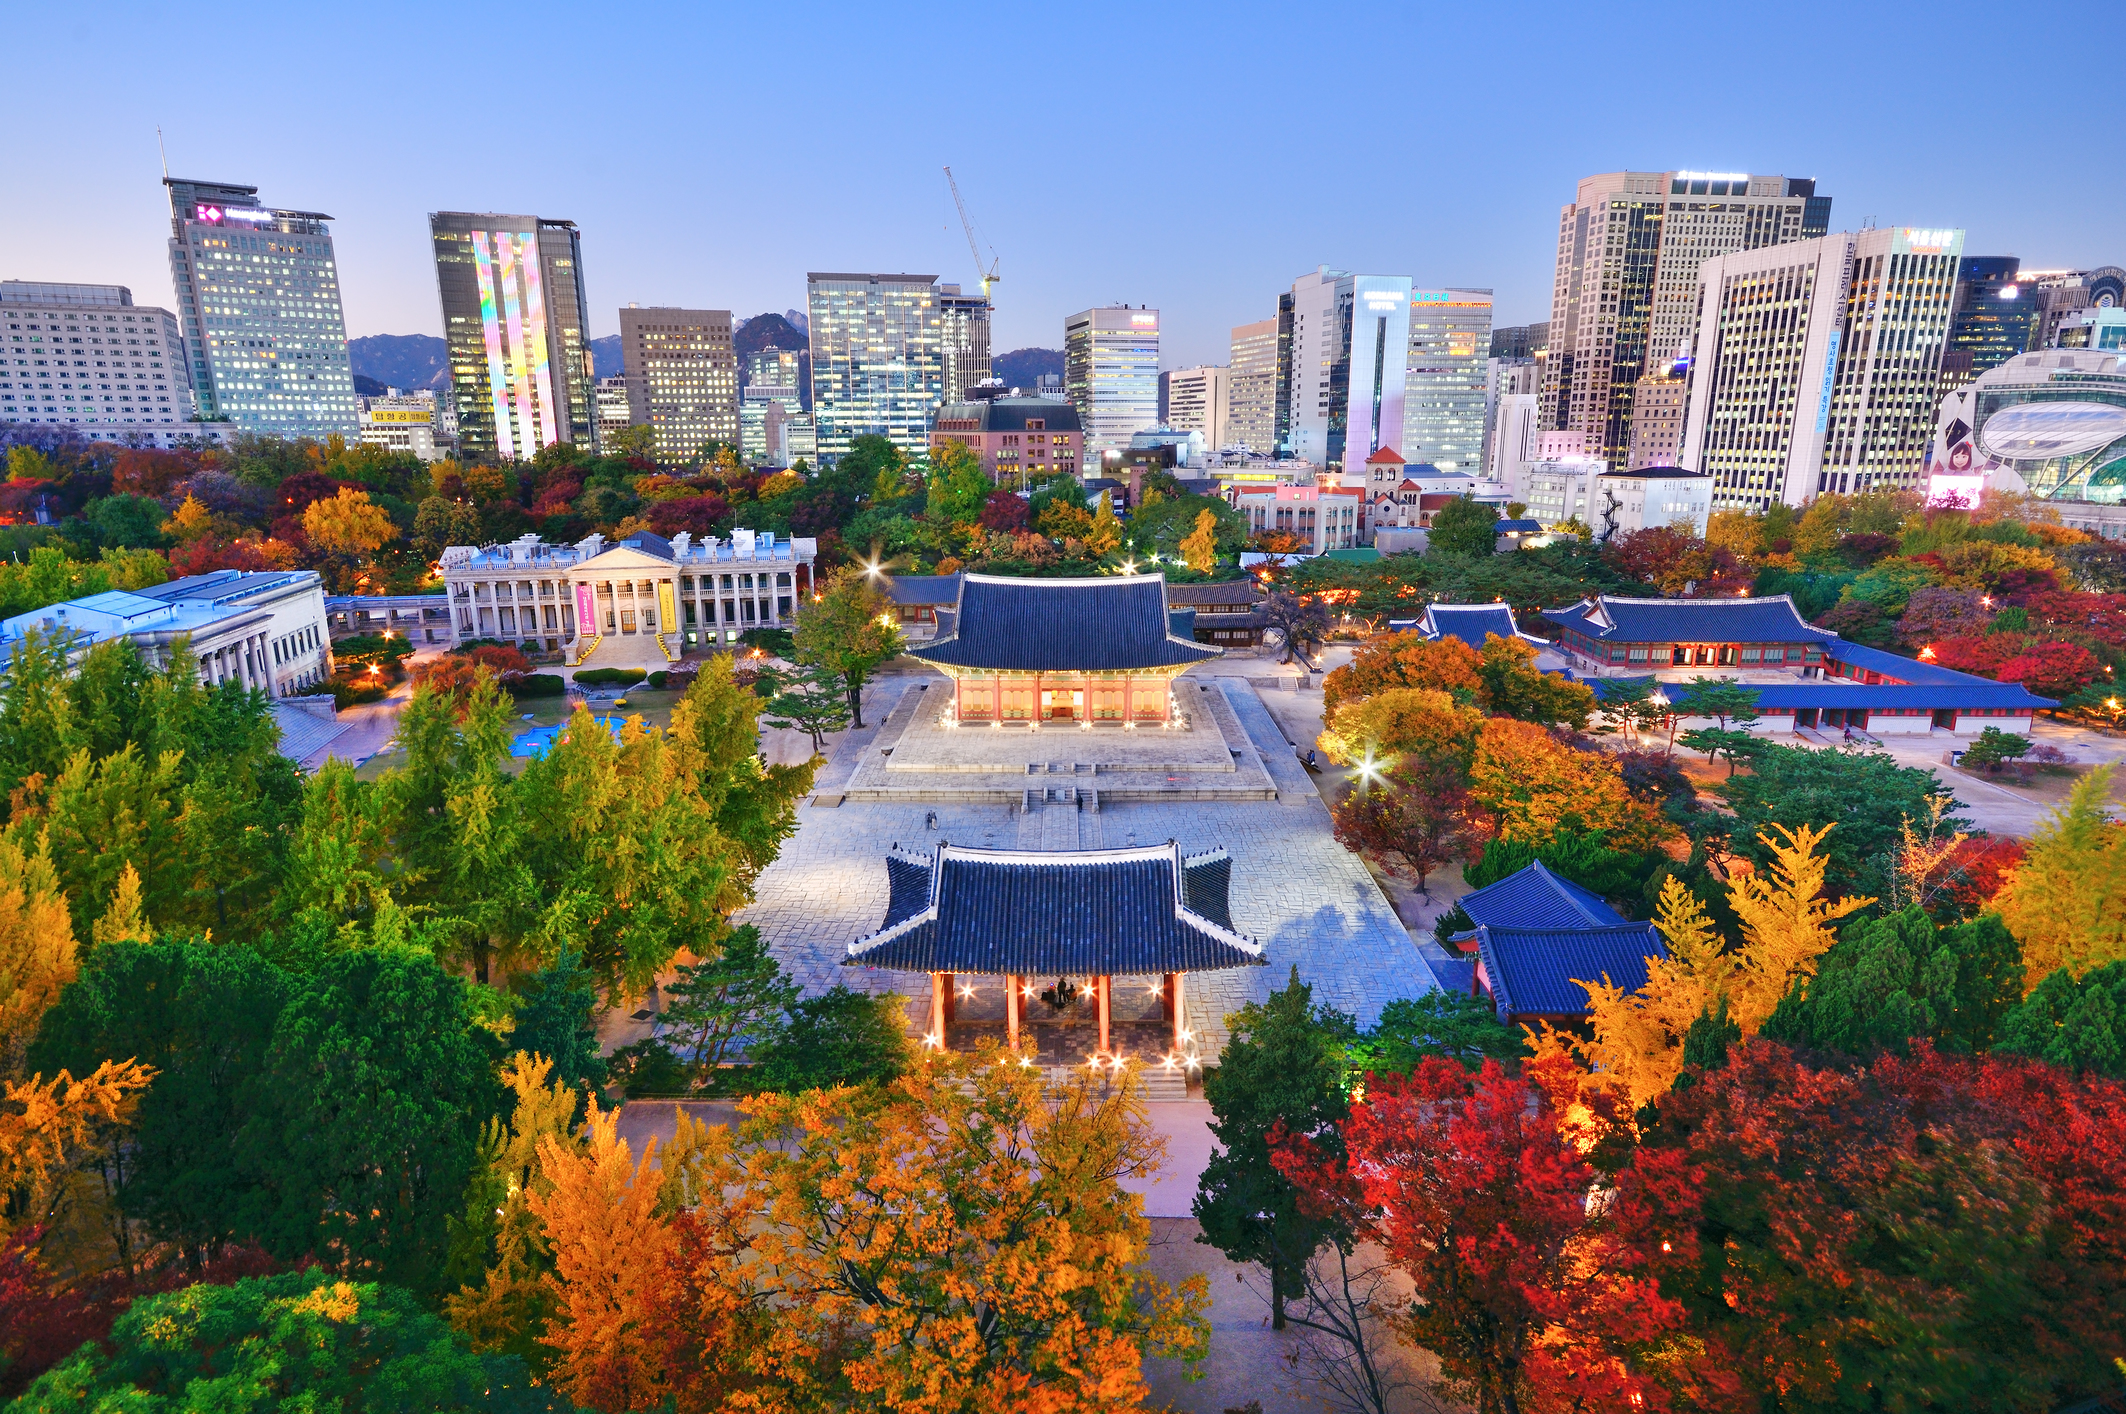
[(682, 376), (878, 362), (1111, 373), (1252, 388), (1350, 358), (258, 292), (516, 323), (1818, 364), (1444, 388), (1624, 300)]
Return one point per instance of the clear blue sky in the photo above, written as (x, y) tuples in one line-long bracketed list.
[(1194, 157)]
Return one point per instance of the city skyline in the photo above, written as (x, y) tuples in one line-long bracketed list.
[(2016, 188)]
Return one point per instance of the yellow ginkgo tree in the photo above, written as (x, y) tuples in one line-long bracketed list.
[(1637, 1037)]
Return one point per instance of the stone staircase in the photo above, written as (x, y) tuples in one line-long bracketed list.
[(666, 649), (586, 647), (1156, 1081)]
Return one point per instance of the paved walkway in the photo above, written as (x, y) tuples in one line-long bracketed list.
[(1313, 904)]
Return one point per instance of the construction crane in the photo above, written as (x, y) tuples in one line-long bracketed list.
[(967, 222)]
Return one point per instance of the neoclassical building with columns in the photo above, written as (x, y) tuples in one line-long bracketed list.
[(643, 601)]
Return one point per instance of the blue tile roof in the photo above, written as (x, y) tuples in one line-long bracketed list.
[(1517, 527), (1110, 624), (923, 588), (1532, 971), (1470, 622), (1936, 694), (1613, 620), (1456, 975), (1072, 913), (1535, 897), (1893, 665)]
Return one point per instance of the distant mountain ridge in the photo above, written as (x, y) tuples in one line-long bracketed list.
[(400, 360), (1022, 368)]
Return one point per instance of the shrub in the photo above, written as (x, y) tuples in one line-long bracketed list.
[(538, 685), (610, 677)]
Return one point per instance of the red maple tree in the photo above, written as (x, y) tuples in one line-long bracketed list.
[(1537, 1275)]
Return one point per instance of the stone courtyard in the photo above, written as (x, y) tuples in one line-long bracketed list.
[(1310, 901)]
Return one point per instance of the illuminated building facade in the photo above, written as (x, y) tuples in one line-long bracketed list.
[(1444, 387), (963, 340), (1199, 400), (1818, 365), (878, 362), (1251, 388), (259, 295), (516, 322), (88, 357), (1111, 373), (682, 376), (1624, 299), (1350, 357), (1995, 318)]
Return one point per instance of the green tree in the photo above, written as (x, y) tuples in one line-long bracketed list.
[(1890, 981), (128, 520), (2077, 1024), (847, 630), (367, 1116), (1732, 706), (202, 1015), (1510, 685), (815, 703), (1464, 526), (957, 487), (714, 1006), (557, 1018), (1995, 747), (1867, 795), (1451, 1024), (297, 1341), (1283, 1068), (839, 1037)]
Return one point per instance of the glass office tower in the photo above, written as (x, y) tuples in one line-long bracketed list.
[(516, 321), (878, 364), (259, 294), (1443, 395), (1111, 374)]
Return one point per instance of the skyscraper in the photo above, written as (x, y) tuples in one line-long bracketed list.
[(516, 322), (682, 376), (1350, 357), (1111, 373), (1251, 388), (1443, 396), (1197, 401), (770, 407), (258, 290), (878, 364), (1818, 364), (1625, 295), (1994, 318), (88, 357), (963, 340)]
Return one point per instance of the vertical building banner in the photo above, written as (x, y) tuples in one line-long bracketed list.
[(667, 608), (586, 611)]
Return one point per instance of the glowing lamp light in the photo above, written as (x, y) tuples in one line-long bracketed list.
[(1926, 654)]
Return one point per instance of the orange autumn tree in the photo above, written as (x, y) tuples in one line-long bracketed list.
[(1403, 660), (1637, 1037), (1402, 721), (1535, 785), (964, 1240)]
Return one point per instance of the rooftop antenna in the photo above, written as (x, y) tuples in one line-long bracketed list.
[(164, 151)]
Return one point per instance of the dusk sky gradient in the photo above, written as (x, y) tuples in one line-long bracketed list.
[(1192, 157)]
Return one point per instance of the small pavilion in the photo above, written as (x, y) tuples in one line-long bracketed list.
[(1092, 651), (1081, 917)]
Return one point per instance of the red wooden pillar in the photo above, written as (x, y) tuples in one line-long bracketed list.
[(1011, 1009), (938, 991), (1176, 1011), (1101, 989), (951, 1003)]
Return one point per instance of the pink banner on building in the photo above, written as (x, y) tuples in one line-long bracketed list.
[(586, 611)]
